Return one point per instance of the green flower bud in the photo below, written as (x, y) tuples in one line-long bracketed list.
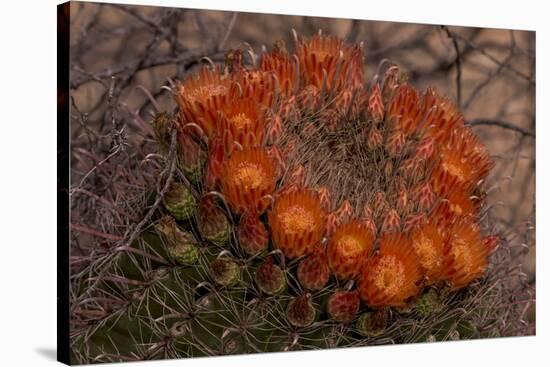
[(185, 253), (300, 311), (192, 157), (162, 125), (225, 271), (181, 244), (270, 278), (429, 303), (372, 323), (180, 202), (213, 224)]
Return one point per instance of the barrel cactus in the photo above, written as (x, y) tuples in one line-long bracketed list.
[(300, 207)]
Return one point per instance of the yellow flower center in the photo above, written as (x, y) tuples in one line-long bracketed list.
[(389, 275), (426, 251), (321, 54), (462, 255), (249, 176), (297, 219), (351, 246), (255, 76), (207, 91), (241, 121), (455, 170)]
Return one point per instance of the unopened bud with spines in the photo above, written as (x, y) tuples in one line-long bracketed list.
[(252, 234), (300, 311), (213, 223), (179, 201), (372, 323), (182, 245), (192, 158), (185, 254), (429, 303), (314, 271), (343, 305), (162, 126), (225, 271), (270, 278)]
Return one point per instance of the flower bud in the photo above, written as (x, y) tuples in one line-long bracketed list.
[(343, 305), (300, 311), (313, 271), (213, 224), (270, 278), (429, 303), (179, 201), (225, 271), (181, 244), (372, 323), (252, 234)]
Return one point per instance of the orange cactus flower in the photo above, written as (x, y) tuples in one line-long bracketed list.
[(325, 55), (428, 241), (404, 111), (247, 177), (216, 157), (348, 248), (200, 96), (257, 85), (460, 203), (465, 158), (392, 275), (441, 116), (465, 253), (297, 222), (242, 121), (284, 68)]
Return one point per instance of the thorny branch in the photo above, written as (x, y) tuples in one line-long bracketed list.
[(502, 124), (458, 67)]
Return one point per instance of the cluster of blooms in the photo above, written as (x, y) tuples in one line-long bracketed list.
[(421, 231)]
